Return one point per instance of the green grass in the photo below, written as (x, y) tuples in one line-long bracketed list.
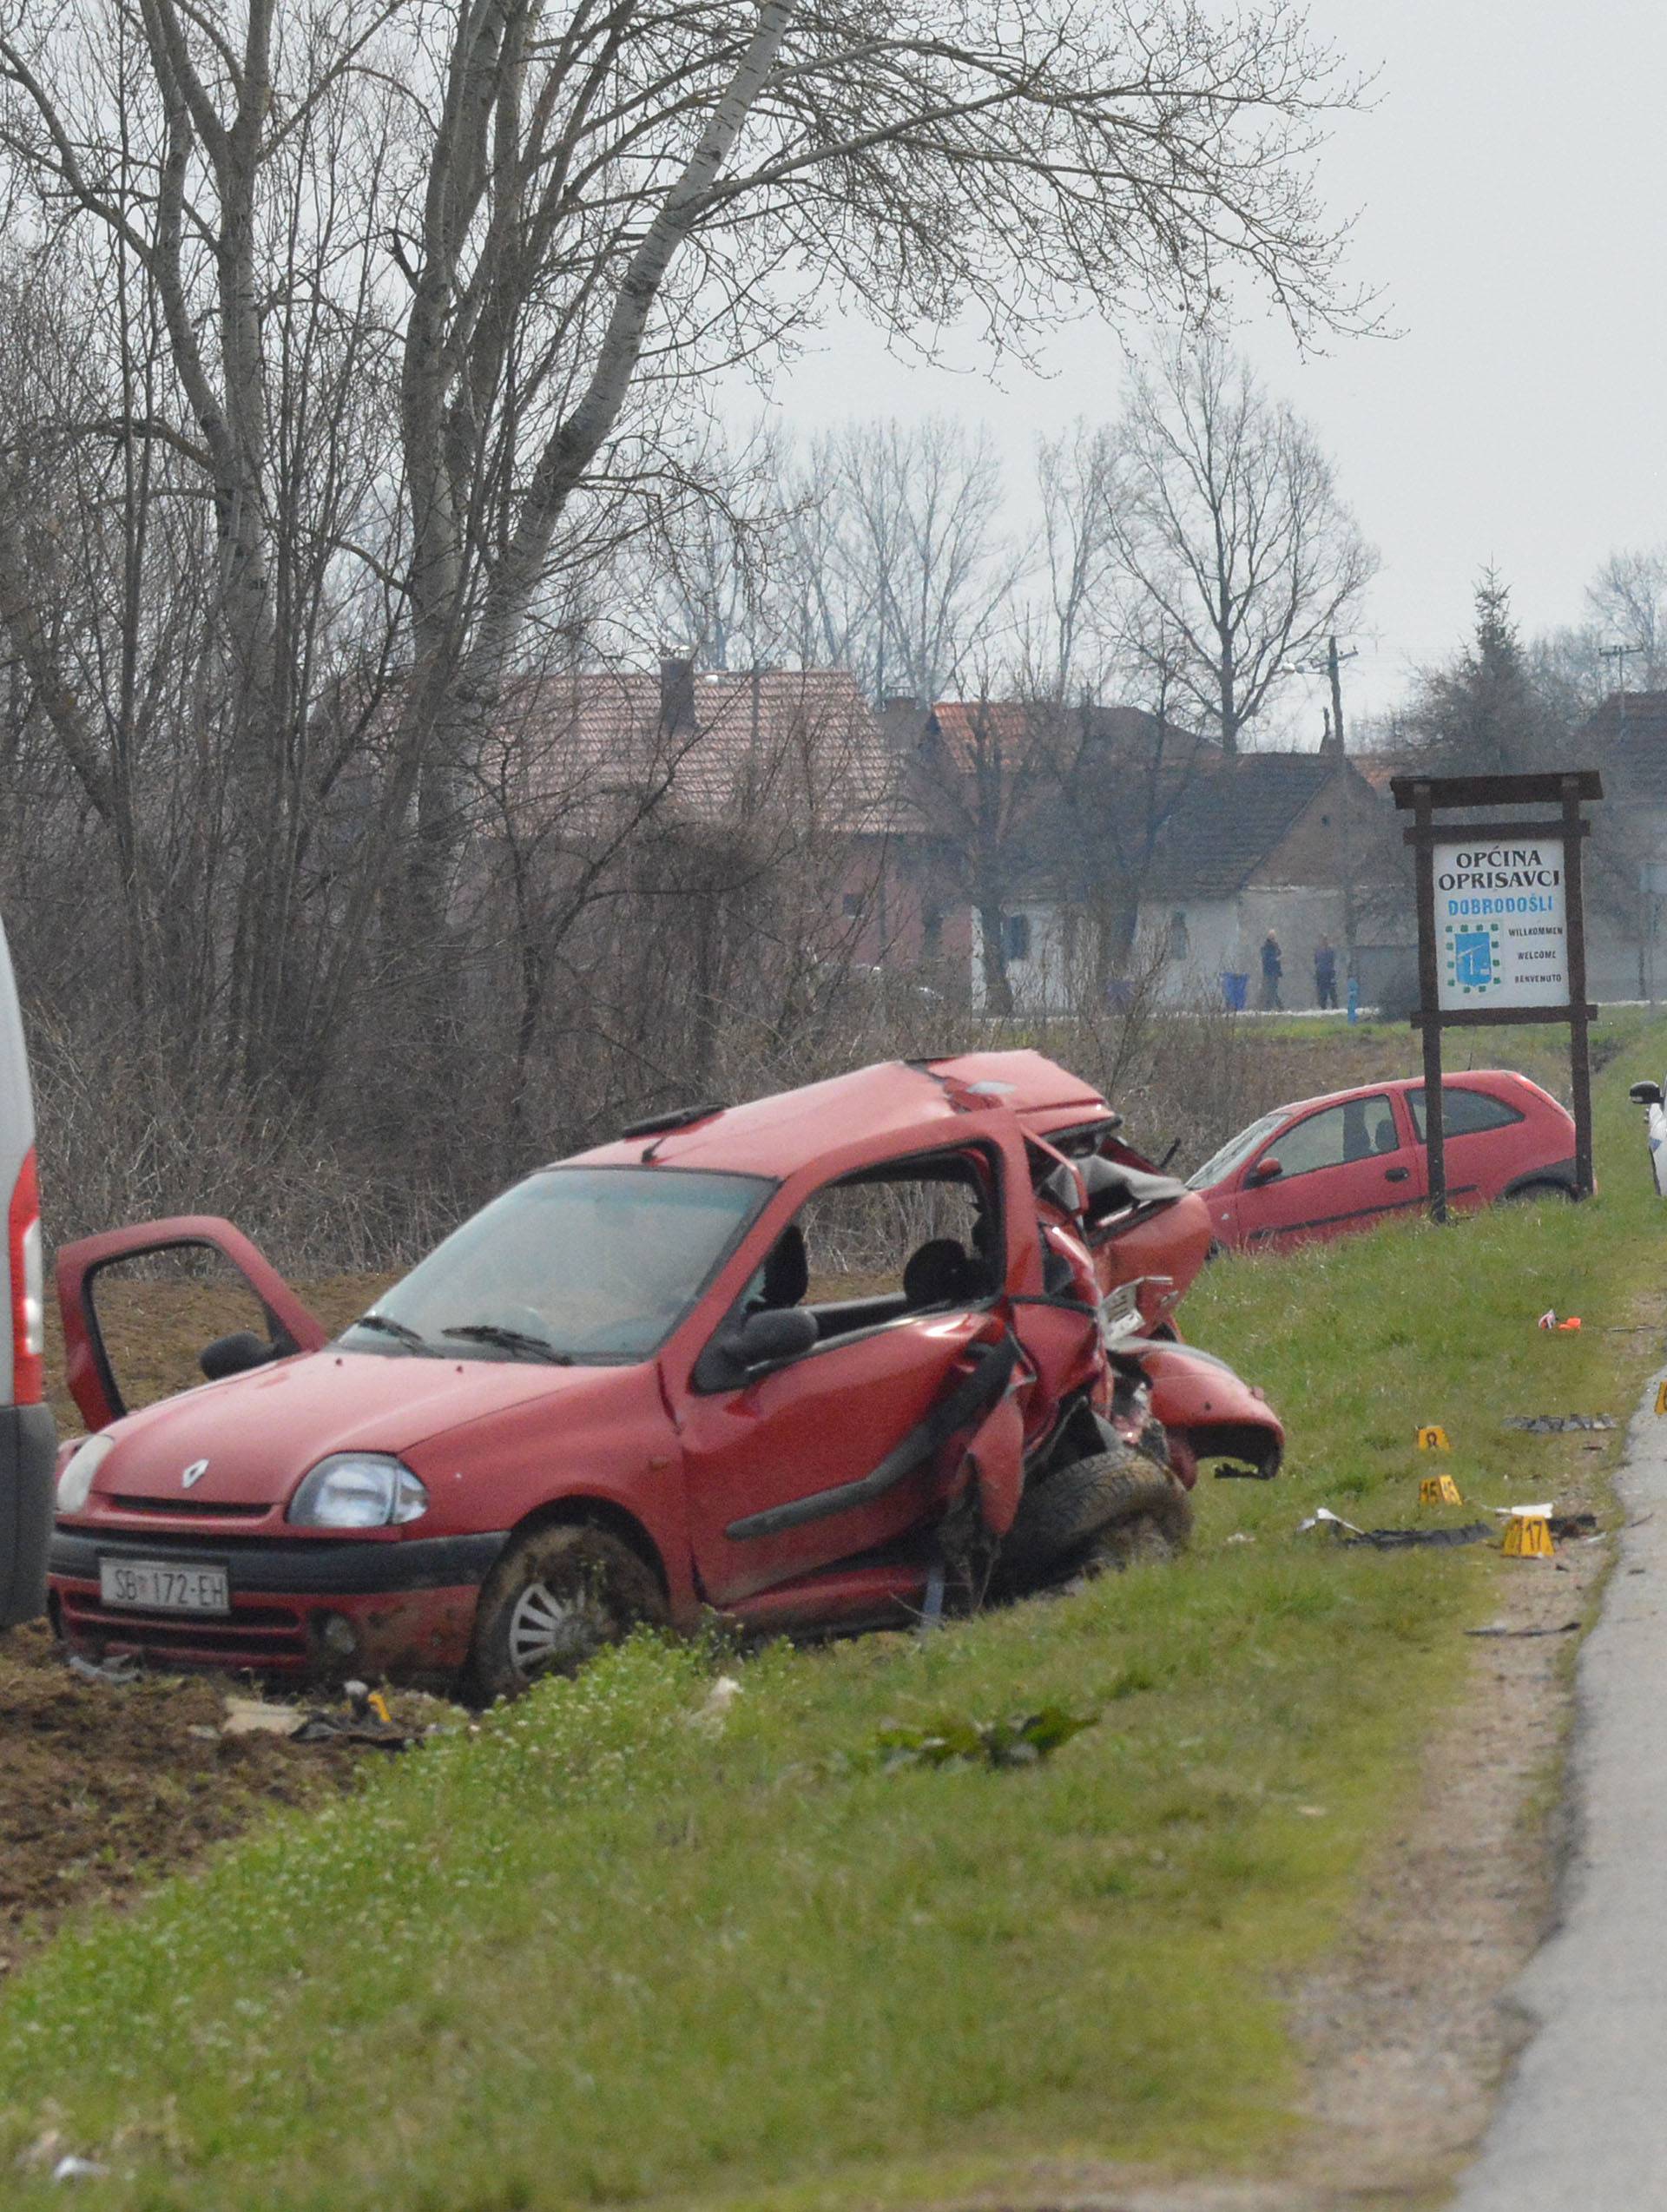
[(592, 1953)]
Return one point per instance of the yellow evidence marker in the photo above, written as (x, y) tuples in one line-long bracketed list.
[(1528, 1535), (1438, 1490), (1434, 1439)]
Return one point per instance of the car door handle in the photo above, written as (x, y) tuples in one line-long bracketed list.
[(1396, 1174)]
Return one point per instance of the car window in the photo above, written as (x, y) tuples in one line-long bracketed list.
[(591, 1264), (1360, 1128), (1464, 1112), (155, 1311), (919, 1236)]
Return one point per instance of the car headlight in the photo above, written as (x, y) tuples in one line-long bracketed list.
[(358, 1490), (76, 1481)]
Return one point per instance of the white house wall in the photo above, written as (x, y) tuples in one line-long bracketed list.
[(1223, 937)]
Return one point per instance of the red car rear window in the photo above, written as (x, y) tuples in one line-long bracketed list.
[(1464, 1113)]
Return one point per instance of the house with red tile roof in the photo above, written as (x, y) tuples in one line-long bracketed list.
[(774, 768)]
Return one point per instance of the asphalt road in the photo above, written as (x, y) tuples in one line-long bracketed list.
[(1581, 2126)]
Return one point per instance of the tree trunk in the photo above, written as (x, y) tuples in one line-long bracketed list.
[(997, 986)]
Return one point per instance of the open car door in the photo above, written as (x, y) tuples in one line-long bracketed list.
[(99, 1362)]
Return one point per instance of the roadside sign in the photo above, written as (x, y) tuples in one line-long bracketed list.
[(1501, 926), (1501, 921)]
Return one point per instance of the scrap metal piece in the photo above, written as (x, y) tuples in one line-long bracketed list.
[(1419, 1539)]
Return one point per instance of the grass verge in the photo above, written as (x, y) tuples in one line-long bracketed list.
[(593, 1953)]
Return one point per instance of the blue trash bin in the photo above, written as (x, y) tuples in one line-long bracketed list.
[(1236, 990)]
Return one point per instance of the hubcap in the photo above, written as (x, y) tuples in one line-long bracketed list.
[(550, 1631)]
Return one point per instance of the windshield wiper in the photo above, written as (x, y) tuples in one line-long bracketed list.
[(512, 1341), (392, 1329)]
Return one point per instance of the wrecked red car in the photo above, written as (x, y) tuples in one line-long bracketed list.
[(842, 1357)]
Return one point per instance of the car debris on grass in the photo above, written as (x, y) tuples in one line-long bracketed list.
[(1557, 1424)]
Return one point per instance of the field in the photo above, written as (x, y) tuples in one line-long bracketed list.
[(600, 1949)]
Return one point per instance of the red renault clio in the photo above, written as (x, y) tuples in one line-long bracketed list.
[(807, 1360)]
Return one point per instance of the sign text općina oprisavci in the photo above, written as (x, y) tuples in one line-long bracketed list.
[(1501, 923)]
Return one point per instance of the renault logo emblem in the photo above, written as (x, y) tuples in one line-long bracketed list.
[(194, 1473)]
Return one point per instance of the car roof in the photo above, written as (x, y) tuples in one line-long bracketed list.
[(1459, 1079), (893, 1105)]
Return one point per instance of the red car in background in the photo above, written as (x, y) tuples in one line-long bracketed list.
[(1349, 1160)]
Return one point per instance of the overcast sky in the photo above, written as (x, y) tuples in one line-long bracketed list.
[(1511, 185)]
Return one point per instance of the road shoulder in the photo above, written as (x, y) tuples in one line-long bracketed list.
[(1582, 2121)]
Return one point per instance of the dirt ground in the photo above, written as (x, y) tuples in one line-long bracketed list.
[(107, 1789)]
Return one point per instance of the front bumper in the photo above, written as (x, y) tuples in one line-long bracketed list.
[(314, 1608)]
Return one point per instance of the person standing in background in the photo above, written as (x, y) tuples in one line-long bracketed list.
[(1325, 972), (1273, 967)]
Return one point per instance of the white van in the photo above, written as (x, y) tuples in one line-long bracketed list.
[(27, 1443)]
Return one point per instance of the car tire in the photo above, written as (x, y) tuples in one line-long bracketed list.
[(1111, 1510), (556, 1596), (1530, 1193)]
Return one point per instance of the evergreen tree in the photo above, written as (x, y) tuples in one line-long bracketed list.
[(1487, 712)]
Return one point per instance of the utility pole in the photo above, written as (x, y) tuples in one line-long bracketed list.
[(1333, 744), (1617, 653), (1334, 670)]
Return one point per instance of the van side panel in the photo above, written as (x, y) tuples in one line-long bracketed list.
[(28, 1468), (27, 1441), (16, 1135)]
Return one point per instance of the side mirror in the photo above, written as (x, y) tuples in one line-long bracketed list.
[(1646, 1094), (763, 1340), (779, 1332), (1264, 1171), (235, 1354)]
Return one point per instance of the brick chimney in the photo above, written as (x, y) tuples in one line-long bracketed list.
[(676, 692)]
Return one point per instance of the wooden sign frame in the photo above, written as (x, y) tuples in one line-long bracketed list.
[(1423, 797)]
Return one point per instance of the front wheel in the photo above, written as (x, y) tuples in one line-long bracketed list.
[(556, 1597), (1108, 1511)]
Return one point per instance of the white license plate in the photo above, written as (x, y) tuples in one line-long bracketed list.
[(151, 1586)]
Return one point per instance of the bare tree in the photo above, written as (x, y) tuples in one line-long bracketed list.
[(1227, 522), (1628, 599), (1070, 643), (390, 312), (976, 779), (891, 559), (924, 508)]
